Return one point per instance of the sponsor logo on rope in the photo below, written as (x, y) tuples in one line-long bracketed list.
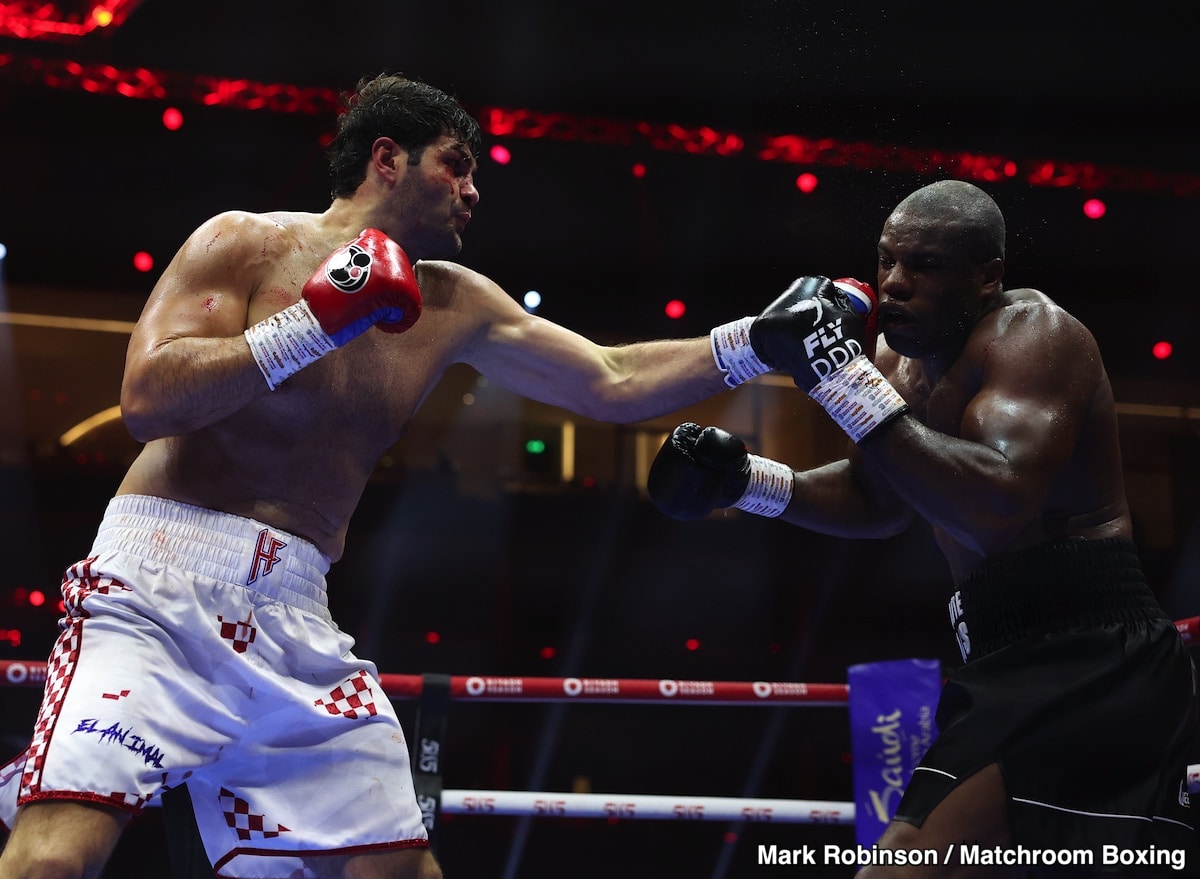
[(591, 686), (479, 804), (550, 807), (671, 689), (765, 690), (477, 686), (20, 673)]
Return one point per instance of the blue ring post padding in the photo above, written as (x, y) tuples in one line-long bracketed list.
[(892, 708)]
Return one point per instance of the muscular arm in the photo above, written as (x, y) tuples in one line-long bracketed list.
[(188, 364), (988, 484), (845, 499), (544, 361)]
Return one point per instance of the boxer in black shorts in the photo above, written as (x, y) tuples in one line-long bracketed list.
[(988, 413)]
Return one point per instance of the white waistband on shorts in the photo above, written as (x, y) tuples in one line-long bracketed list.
[(225, 547)]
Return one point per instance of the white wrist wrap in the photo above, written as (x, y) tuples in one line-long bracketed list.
[(858, 397), (731, 349), (288, 341), (769, 489)]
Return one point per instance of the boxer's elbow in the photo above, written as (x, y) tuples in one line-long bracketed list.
[(891, 522), (143, 419), (146, 408)]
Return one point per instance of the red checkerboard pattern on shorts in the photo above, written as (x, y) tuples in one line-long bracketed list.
[(239, 632), (78, 583), (246, 824), (353, 698)]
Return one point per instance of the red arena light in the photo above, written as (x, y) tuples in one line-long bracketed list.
[(59, 21), (432, 637), (806, 182), (172, 119), (638, 170), (1162, 350), (143, 261), (500, 154), (675, 309), (1094, 209), (692, 644)]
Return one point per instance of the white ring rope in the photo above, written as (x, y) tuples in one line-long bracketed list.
[(644, 807)]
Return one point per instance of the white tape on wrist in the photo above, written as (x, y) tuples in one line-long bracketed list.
[(732, 351), (770, 488), (288, 341), (858, 397)]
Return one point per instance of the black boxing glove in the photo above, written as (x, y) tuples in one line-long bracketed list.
[(751, 346), (700, 469), (815, 327), (822, 333)]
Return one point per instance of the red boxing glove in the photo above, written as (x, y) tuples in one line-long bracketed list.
[(368, 282)]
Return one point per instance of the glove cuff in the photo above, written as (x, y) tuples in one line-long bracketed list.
[(770, 488), (733, 354), (288, 341), (859, 398)]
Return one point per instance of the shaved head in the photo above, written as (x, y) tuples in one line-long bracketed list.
[(962, 208)]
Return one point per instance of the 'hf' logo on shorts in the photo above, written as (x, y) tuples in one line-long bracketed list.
[(349, 270), (266, 555)]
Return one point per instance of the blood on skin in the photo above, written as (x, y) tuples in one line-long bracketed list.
[(280, 296)]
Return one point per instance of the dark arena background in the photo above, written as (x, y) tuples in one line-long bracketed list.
[(649, 169)]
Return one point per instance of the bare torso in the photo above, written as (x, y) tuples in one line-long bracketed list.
[(299, 458), (1086, 497)]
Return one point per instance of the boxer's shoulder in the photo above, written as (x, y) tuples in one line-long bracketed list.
[(1031, 315), (450, 285), (252, 236)]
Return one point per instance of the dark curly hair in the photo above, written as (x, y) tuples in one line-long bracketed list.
[(410, 112)]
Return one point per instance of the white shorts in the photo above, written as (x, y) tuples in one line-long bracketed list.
[(198, 647)]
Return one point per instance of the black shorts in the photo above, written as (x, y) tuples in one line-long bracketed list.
[(1080, 688)]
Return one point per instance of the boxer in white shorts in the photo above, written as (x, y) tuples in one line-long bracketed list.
[(278, 357), (197, 648)]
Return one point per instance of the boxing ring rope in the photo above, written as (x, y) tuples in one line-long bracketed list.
[(645, 807), (483, 688), (480, 688)]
